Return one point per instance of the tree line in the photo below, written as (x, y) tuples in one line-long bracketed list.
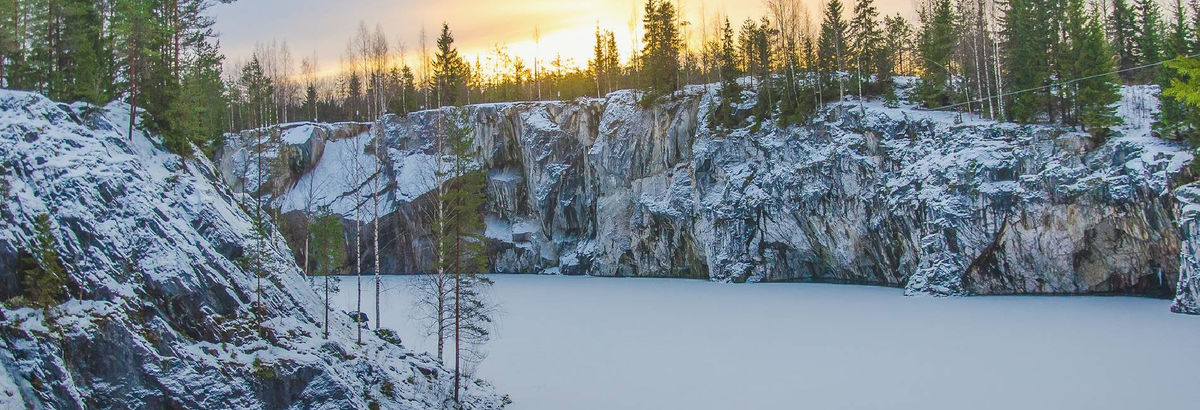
[(1019, 60), (159, 55)]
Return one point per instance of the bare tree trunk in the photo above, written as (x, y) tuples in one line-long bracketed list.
[(358, 245), (441, 210), (358, 273), (327, 305), (375, 199), (259, 236), (996, 57), (457, 313)]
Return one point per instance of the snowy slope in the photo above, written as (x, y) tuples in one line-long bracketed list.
[(161, 309)]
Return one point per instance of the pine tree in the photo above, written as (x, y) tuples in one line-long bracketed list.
[(612, 62), (408, 84), (597, 64), (450, 71), (897, 43), (660, 50), (258, 89), (311, 100), (1029, 41), (832, 48), (755, 47), (864, 30), (1149, 29), (82, 62), (198, 112), (328, 243), (12, 49), (1176, 118), (936, 44), (1185, 88), (467, 256), (730, 92), (1123, 27), (1096, 95)]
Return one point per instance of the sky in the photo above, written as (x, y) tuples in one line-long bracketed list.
[(566, 27)]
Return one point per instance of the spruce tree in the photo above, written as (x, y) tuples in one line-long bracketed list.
[(311, 101), (198, 111), (935, 49), (612, 62), (730, 92), (83, 60), (1149, 37), (258, 89), (1185, 88), (409, 87), (1176, 117), (755, 48), (1094, 97), (1123, 26), (467, 257), (1029, 39), (660, 50), (896, 43), (597, 64), (832, 49), (329, 249), (864, 30), (450, 71)]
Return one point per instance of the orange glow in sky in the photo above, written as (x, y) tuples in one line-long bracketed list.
[(566, 27)]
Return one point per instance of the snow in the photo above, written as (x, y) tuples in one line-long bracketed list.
[(299, 134), (335, 182), (149, 240), (416, 175), (610, 343)]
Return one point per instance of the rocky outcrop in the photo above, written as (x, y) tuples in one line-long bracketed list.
[(936, 202), (159, 307), (1187, 295)]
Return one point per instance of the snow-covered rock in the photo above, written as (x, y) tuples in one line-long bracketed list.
[(1187, 295), (161, 308), (939, 203)]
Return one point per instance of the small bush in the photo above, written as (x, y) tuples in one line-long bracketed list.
[(388, 335), (262, 370), (44, 275)]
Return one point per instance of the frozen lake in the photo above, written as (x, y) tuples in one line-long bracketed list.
[(605, 343)]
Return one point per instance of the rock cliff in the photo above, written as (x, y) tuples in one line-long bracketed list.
[(938, 203), (159, 305)]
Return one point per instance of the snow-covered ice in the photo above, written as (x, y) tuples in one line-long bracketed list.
[(608, 343)]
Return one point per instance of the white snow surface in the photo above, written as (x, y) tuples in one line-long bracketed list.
[(343, 182), (582, 343)]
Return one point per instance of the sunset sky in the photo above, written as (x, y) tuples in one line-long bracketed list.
[(566, 27)]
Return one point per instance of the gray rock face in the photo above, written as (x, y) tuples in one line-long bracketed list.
[(161, 312), (1187, 295), (935, 202)]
